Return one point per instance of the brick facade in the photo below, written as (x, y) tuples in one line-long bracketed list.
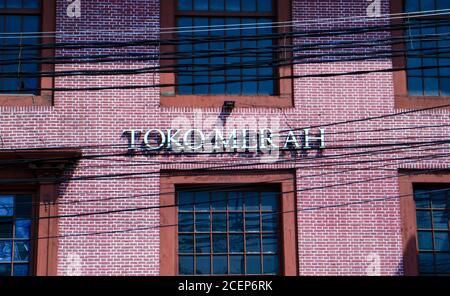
[(344, 240)]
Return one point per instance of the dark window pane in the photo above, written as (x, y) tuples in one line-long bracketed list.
[(202, 243), (6, 228), (235, 201), (6, 206), (427, 5), (264, 5), (202, 201), (186, 264), (233, 5), (23, 228), (219, 243), (445, 85), (440, 219), (200, 80), (269, 201), (249, 5), (13, 3), (253, 243), (31, 3), (443, 4), (426, 263), (217, 61), (265, 87), (441, 241), (185, 4), (270, 243), (412, 5), (443, 263), (252, 201), (422, 199), (185, 201), (235, 222), (431, 87), (185, 222), (30, 23), (253, 264), (252, 222), (220, 264), (438, 199), (218, 201), (415, 87), (249, 88), (217, 5), (414, 63), (236, 243), (270, 222), (425, 240), (185, 88), (201, 5), (237, 264), (271, 265), (432, 64), (22, 251), (5, 251), (185, 243), (203, 265), (219, 222), (12, 25), (202, 222), (423, 219), (5, 269), (21, 270)]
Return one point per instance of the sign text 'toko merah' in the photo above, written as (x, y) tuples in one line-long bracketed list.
[(179, 140)]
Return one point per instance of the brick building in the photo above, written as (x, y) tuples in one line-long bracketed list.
[(78, 197)]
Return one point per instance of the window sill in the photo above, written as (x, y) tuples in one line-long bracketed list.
[(416, 102), (26, 100), (211, 101)]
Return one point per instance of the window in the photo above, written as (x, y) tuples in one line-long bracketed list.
[(15, 234), (424, 209), (425, 51), (432, 216), (235, 232), (239, 34), (232, 61), (20, 53), (24, 17), (249, 228), (25, 208), (426, 80)]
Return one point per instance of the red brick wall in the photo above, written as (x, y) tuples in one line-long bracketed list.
[(332, 241)]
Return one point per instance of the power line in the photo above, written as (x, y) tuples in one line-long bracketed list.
[(223, 38), (293, 23), (178, 55), (296, 210), (405, 160), (215, 168), (192, 69)]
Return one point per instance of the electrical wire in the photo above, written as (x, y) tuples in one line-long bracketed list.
[(193, 29)]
